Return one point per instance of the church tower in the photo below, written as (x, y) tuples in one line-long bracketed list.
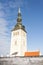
[(18, 38)]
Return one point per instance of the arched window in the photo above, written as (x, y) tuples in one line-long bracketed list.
[(24, 43), (15, 42)]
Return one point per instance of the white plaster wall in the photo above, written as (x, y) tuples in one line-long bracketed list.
[(21, 39)]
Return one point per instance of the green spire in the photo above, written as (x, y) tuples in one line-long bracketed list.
[(19, 19), (19, 22)]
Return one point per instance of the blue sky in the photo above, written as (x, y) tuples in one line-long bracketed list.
[(32, 18)]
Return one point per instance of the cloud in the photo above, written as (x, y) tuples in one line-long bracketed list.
[(2, 14), (16, 3), (3, 22), (4, 29), (7, 11), (1, 7), (3, 25), (4, 37), (10, 5)]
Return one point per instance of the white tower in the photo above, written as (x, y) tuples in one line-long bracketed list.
[(18, 38)]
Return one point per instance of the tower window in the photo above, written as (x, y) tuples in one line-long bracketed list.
[(15, 42), (24, 43), (16, 33)]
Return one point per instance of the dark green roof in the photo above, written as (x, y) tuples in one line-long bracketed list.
[(19, 23), (19, 26)]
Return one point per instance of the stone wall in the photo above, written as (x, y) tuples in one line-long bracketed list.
[(21, 60)]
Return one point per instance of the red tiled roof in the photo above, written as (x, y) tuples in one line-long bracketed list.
[(36, 53)]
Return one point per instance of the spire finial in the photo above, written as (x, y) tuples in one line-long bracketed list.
[(19, 10)]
